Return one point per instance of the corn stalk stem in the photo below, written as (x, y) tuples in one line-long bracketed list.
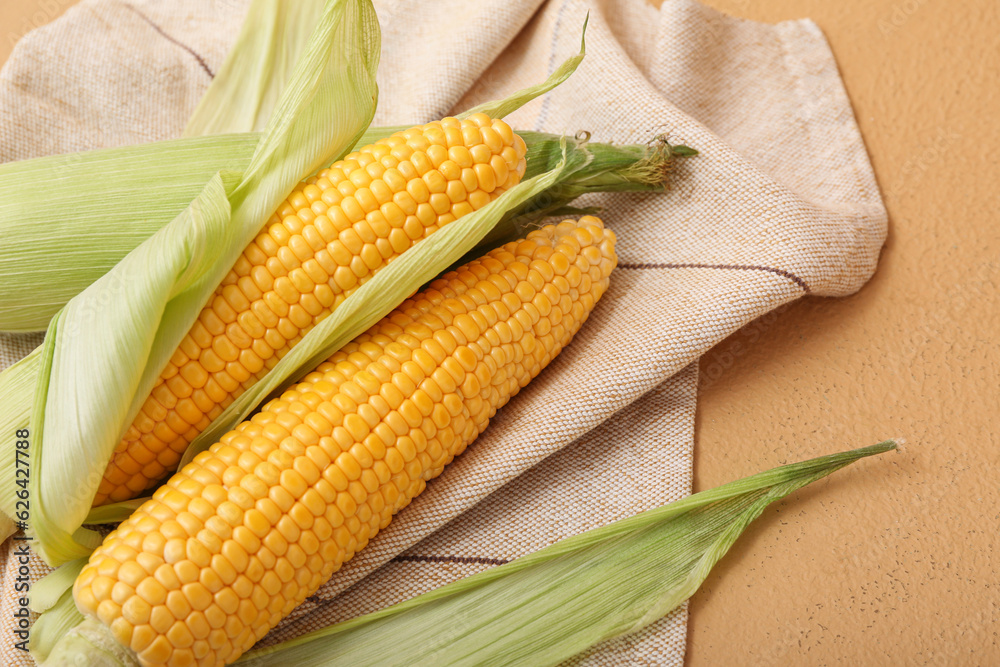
[(604, 168)]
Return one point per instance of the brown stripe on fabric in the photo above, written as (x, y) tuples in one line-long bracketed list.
[(733, 267), (197, 56), (468, 560)]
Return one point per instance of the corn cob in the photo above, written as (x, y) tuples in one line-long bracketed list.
[(240, 536), (329, 237)]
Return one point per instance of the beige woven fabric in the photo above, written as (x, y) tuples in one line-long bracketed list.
[(781, 203)]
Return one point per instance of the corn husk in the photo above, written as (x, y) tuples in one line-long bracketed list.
[(17, 387), (243, 95), (105, 349), (52, 597), (120, 197), (540, 609), (66, 220)]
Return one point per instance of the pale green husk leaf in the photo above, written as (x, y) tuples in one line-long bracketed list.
[(510, 104), (551, 605), (47, 591), (52, 597), (114, 512), (65, 220), (53, 626), (87, 644), (97, 206), (17, 392), (243, 95), (325, 108), (105, 349)]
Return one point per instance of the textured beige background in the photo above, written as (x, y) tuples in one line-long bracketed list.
[(893, 561)]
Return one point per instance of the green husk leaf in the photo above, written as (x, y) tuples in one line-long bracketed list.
[(66, 220), (47, 591), (52, 597), (17, 391), (52, 626), (508, 105), (243, 95), (114, 512), (324, 110), (105, 349), (551, 605), (97, 206)]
